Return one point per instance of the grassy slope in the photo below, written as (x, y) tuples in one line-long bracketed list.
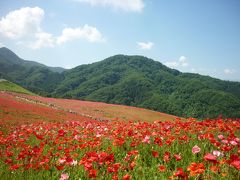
[(9, 86)]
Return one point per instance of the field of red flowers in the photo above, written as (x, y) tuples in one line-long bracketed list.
[(101, 110), (41, 142)]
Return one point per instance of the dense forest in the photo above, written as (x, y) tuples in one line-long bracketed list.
[(129, 80)]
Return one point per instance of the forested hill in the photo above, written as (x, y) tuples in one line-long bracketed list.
[(32, 75), (138, 81)]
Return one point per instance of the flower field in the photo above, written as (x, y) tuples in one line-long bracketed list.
[(101, 110), (40, 142)]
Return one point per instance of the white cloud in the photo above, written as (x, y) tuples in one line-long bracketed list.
[(24, 26), (182, 59), (126, 5), (87, 32), (21, 22), (43, 39), (181, 63), (145, 45), (229, 71)]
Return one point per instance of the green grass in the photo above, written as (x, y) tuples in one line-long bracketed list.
[(12, 87)]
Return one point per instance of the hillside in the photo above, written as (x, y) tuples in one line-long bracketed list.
[(139, 81), (12, 87), (134, 81), (91, 110), (34, 76)]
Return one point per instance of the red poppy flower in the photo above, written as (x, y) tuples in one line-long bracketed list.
[(236, 164), (158, 141), (166, 156), (126, 177), (177, 157), (155, 154), (180, 173), (161, 168), (210, 157), (115, 177), (214, 169), (61, 132), (60, 167), (15, 166), (116, 166), (196, 168), (92, 173)]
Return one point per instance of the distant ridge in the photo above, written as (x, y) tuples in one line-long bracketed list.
[(130, 80), (7, 55)]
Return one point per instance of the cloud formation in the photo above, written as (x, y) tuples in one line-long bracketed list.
[(125, 5), (43, 39), (21, 22), (25, 25), (86, 32), (181, 63), (145, 45)]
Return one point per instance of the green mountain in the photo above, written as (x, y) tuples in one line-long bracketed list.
[(29, 74), (12, 87), (137, 81)]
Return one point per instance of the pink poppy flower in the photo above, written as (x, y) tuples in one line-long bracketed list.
[(196, 149), (220, 136), (217, 153), (237, 139), (234, 143), (146, 139), (64, 176), (224, 141)]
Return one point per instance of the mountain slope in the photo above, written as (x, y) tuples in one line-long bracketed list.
[(31, 75), (135, 81)]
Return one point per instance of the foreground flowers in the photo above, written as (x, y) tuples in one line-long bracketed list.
[(72, 148), (66, 146)]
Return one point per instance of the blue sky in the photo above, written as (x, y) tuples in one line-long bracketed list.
[(201, 36)]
